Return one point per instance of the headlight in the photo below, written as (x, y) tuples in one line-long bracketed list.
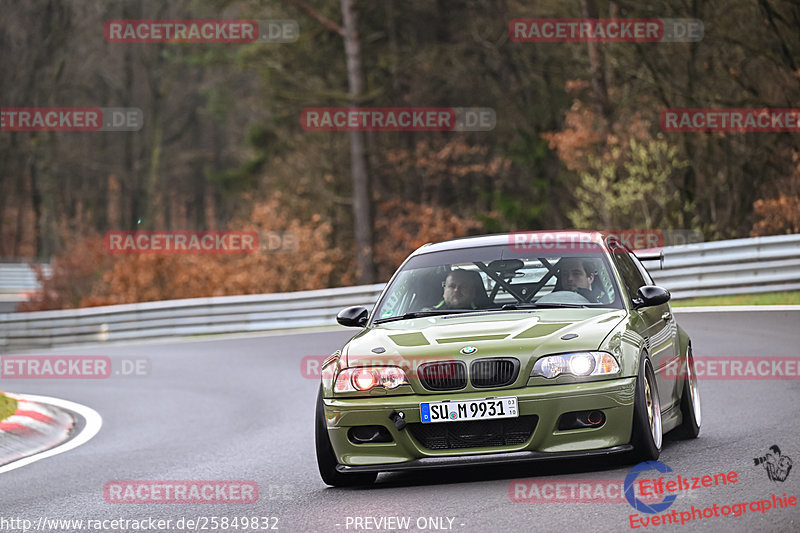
[(364, 378), (578, 364)]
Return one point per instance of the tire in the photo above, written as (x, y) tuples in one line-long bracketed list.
[(690, 402), (326, 459), (647, 434)]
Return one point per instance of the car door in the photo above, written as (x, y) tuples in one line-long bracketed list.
[(657, 324), (666, 314)]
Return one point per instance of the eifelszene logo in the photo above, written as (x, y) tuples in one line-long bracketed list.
[(637, 503)]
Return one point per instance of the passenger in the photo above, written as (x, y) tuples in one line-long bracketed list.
[(578, 275)]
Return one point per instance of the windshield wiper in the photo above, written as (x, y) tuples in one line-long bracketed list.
[(555, 305), (418, 314), (513, 307), (509, 307)]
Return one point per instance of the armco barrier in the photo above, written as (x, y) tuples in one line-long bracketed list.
[(739, 266), (178, 318), (18, 281), (716, 268)]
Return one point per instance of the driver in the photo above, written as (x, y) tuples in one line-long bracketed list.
[(460, 290), (578, 275)]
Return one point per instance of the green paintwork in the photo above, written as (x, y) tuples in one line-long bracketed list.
[(526, 335), (410, 339)]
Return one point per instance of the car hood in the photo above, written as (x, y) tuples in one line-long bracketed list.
[(522, 333)]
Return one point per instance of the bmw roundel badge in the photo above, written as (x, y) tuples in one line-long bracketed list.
[(468, 350)]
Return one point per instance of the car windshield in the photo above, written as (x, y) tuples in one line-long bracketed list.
[(494, 278)]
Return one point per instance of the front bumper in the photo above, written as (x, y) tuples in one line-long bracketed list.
[(614, 397)]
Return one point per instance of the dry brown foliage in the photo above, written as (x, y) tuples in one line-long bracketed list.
[(449, 161), (586, 134), (447, 173), (75, 271), (781, 215), (85, 275), (402, 227), (777, 216)]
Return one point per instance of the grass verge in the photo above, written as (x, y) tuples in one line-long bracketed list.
[(766, 298), (8, 406)]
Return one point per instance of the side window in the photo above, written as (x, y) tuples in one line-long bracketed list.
[(631, 275), (645, 274)]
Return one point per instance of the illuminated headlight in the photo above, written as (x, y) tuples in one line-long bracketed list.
[(368, 377), (578, 364)]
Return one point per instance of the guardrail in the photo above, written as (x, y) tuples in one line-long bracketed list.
[(179, 318), (18, 281), (716, 268), (739, 266)]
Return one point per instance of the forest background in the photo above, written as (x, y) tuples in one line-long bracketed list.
[(577, 143)]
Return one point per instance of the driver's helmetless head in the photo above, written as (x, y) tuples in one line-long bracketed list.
[(459, 290), (575, 274)]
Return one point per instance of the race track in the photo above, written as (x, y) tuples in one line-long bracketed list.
[(239, 409)]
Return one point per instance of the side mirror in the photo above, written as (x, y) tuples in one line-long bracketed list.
[(650, 295), (353, 317)]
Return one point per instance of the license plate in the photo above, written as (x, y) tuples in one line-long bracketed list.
[(461, 410)]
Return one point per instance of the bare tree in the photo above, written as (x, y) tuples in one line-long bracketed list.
[(596, 64), (358, 162), (362, 219)]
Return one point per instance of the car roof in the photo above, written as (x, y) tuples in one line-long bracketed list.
[(499, 239)]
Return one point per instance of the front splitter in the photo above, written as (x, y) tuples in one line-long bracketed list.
[(484, 459)]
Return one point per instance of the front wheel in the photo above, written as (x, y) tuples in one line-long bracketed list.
[(647, 433), (326, 459), (690, 402)]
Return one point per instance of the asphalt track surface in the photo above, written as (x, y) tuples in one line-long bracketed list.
[(239, 409)]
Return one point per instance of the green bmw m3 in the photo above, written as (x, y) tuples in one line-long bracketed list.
[(506, 348)]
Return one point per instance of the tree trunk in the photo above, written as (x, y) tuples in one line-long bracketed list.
[(131, 181), (358, 164), (596, 65)]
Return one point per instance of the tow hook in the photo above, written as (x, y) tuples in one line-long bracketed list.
[(398, 418)]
